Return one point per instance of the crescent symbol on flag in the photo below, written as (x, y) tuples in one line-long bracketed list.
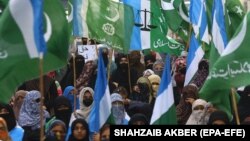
[(167, 5), (235, 43), (48, 33), (71, 13), (3, 54), (183, 15), (115, 18)]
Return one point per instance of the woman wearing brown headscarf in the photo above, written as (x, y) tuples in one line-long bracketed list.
[(184, 108), (143, 92), (85, 78), (18, 101)]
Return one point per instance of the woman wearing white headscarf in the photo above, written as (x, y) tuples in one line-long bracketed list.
[(86, 104), (199, 114)]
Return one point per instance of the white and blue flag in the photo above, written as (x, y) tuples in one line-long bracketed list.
[(102, 103), (198, 18), (195, 55)]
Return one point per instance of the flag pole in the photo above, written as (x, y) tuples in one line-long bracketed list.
[(110, 61), (41, 83), (189, 37), (234, 104), (96, 49), (203, 46), (73, 46), (129, 81), (74, 77)]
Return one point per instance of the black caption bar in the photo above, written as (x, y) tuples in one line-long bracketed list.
[(176, 131)]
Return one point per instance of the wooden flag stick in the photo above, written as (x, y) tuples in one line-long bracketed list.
[(234, 104), (110, 62), (41, 83), (73, 52), (96, 49), (74, 78), (203, 46), (189, 37), (129, 80)]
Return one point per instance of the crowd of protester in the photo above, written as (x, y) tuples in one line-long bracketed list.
[(133, 83)]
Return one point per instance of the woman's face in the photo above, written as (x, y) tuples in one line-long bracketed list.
[(105, 135), (80, 131), (59, 132)]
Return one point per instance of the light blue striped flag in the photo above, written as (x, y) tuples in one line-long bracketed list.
[(79, 23), (195, 54), (32, 26), (198, 18), (219, 34), (164, 109), (140, 39), (22, 41), (150, 30), (102, 104)]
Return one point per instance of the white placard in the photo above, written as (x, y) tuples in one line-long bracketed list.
[(87, 51)]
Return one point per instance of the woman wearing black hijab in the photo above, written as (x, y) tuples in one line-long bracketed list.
[(138, 119), (218, 118), (79, 130)]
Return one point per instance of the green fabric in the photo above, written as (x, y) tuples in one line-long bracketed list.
[(110, 23), (16, 65), (159, 42), (231, 70)]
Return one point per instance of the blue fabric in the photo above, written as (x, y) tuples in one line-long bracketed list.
[(70, 97), (136, 35), (77, 18), (194, 45), (16, 134), (37, 6), (100, 90), (166, 75), (30, 110), (197, 11), (218, 13)]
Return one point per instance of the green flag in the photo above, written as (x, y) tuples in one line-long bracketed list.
[(164, 112), (3, 4), (69, 15), (16, 64), (150, 30), (234, 16), (107, 23), (176, 17), (231, 70), (173, 18), (158, 36)]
